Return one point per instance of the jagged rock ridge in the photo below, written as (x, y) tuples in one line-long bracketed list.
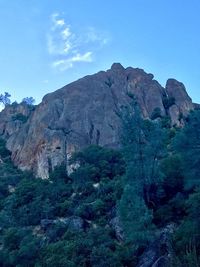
[(83, 113)]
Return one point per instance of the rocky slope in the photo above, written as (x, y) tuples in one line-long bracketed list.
[(83, 113)]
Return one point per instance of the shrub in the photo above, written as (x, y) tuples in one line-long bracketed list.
[(156, 114), (20, 117)]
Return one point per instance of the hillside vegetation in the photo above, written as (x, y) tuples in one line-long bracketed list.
[(115, 205)]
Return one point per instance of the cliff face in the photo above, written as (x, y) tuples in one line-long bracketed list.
[(83, 113)]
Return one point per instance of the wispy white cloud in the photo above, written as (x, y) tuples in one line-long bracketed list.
[(57, 22), (68, 63), (67, 47), (93, 36), (66, 33), (87, 57), (60, 38)]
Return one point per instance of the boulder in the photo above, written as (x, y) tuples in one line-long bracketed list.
[(160, 251), (73, 223), (117, 227)]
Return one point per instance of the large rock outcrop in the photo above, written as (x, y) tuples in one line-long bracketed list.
[(83, 113), (182, 104), (13, 117)]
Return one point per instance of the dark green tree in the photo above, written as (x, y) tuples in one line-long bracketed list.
[(5, 99), (136, 218), (187, 143), (143, 146), (142, 142)]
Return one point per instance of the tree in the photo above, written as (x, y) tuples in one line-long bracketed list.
[(28, 100), (187, 143), (143, 147), (97, 180), (5, 99), (142, 142), (136, 218), (187, 236), (103, 161), (19, 246)]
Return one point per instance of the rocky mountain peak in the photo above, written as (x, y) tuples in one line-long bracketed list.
[(83, 113), (182, 102), (117, 67), (177, 90)]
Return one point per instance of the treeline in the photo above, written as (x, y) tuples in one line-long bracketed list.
[(5, 99), (114, 205)]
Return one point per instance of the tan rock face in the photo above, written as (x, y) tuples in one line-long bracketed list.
[(84, 113), (13, 117), (183, 103)]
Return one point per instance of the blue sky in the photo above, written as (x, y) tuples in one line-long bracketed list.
[(46, 44)]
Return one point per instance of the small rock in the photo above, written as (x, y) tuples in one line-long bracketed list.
[(73, 223), (76, 223), (117, 227)]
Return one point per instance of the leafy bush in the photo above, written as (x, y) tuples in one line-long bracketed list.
[(20, 117), (4, 152), (145, 187), (156, 114)]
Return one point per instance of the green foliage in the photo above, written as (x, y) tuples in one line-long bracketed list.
[(4, 153), (189, 229), (143, 148), (166, 122), (91, 193), (135, 217), (37, 199), (67, 220), (97, 181), (20, 117), (5, 99), (101, 162), (156, 114), (173, 174), (9, 174), (19, 247), (94, 248), (187, 143), (28, 100), (181, 177)]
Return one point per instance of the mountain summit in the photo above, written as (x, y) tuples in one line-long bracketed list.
[(83, 113)]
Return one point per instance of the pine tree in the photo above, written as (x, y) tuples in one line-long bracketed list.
[(143, 147), (136, 218), (142, 142), (187, 143)]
